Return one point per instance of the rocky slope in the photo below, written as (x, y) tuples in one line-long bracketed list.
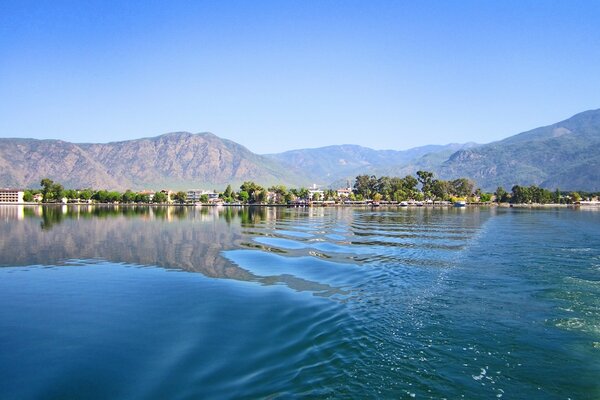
[(563, 155), (176, 160)]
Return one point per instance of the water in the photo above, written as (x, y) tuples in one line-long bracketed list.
[(186, 303)]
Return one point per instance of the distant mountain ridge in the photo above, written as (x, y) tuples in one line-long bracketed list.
[(564, 155), (176, 160), (324, 165)]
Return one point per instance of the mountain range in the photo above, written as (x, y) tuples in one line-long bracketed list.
[(565, 155)]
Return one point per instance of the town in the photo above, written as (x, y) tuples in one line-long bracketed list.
[(422, 190)]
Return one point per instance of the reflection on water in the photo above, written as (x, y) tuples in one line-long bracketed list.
[(140, 235), (208, 240)]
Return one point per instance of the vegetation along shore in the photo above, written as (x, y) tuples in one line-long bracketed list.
[(422, 189)]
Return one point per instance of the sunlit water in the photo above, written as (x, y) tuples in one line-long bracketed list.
[(187, 303)]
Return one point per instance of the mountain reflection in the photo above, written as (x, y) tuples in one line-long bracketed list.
[(186, 238)]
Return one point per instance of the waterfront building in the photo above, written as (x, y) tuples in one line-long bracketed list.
[(344, 193), (11, 196), (194, 195)]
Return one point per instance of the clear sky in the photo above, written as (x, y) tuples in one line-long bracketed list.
[(279, 75)]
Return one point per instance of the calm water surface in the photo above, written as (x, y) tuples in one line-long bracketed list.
[(187, 303)]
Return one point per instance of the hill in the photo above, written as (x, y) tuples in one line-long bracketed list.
[(564, 155), (325, 165), (175, 160)]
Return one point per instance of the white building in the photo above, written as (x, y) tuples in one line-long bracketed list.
[(195, 194), (11, 196)]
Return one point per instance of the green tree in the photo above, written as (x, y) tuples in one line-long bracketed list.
[(159, 197), (71, 194), (462, 187), (303, 193), (85, 194), (501, 195), (441, 189), (113, 197), (520, 195), (485, 197), (228, 194), (556, 199), (180, 197), (128, 196), (362, 185), (51, 191), (425, 178), (280, 192), (243, 196), (28, 196), (142, 198)]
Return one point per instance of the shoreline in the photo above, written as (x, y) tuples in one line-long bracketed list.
[(354, 205)]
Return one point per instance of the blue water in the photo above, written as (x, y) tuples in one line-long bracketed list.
[(187, 303)]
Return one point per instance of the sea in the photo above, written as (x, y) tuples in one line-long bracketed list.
[(129, 302)]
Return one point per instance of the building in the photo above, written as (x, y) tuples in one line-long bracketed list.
[(11, 196), (313, 192), (344, 193), (195, 194)]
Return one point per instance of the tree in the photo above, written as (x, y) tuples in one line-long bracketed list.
[(280, 193), (228, 194), (180, 197), (303, 193), (441, 189), (28, 196), (51, 191), (85, 194), (113, 197), (128, 196), (142, 198), (501, 195), (243, 196), (485, 197), (556, 199), (384, 187), (462, 187), (520, 195), (316, 197), (159, 197), (362, 185), (425, 178), (71, 194)]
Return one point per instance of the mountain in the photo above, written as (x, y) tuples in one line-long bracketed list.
[(563, 155), (175, 160), (328, 164)]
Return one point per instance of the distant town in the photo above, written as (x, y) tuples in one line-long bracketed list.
[(422, 190)]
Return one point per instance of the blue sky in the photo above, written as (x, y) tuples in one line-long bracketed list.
[(278, 75)]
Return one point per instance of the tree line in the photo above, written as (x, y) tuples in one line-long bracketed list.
[(366, 188)]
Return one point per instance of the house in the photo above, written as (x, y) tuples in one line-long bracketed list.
[(344, 193)]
